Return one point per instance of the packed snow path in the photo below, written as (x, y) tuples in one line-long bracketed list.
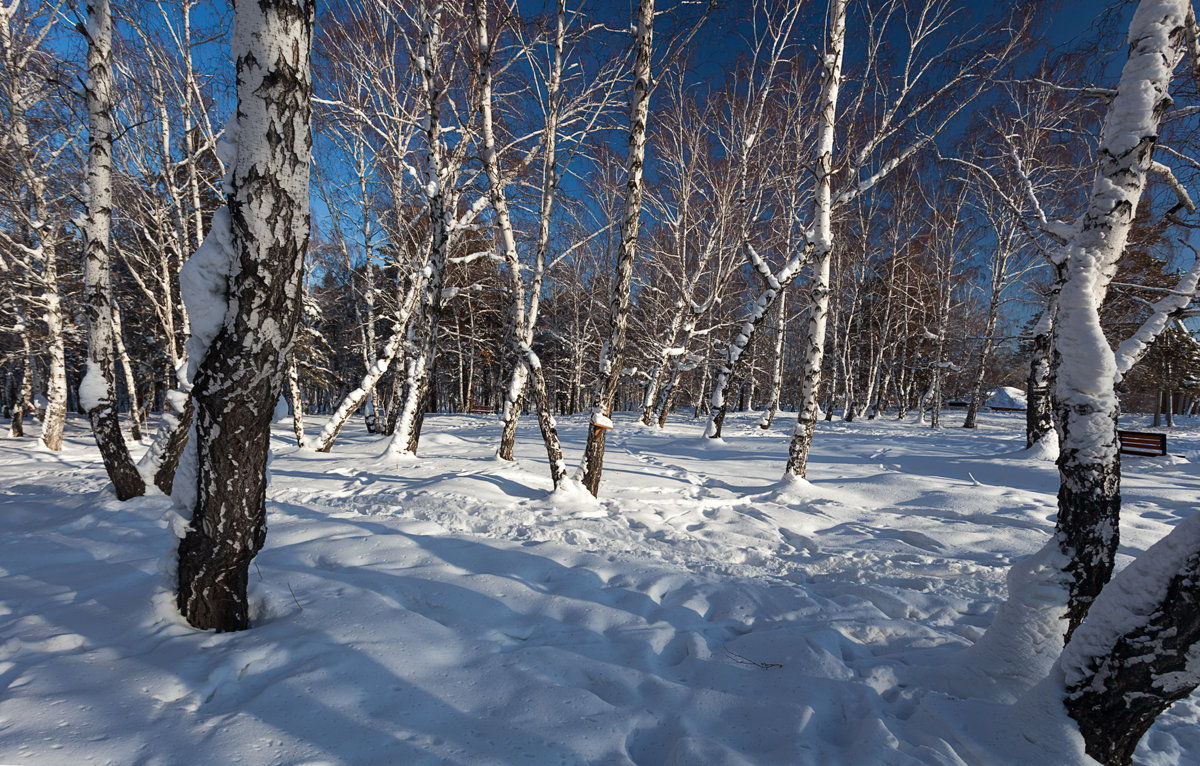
[(446, 610)]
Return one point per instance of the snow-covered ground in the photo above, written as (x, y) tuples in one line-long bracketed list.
[(445, 610)]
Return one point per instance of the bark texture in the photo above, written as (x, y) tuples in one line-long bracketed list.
[(814, 341), (1138, 653), (239, 379), (97, 392), (1083, 364), (612, 353)]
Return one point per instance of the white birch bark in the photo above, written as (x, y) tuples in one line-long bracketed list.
[(1086, 405), (97, 391), (612, 352), (814, 344), (521, 325), (251, 312)]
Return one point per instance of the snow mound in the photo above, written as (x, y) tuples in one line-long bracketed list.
[(1007, 398)]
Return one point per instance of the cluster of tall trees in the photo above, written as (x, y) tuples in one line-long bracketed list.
[(561, 210)]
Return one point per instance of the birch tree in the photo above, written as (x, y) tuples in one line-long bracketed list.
[(522, 318), (26, 94), (612, 353), (97, 392), (246, 299)]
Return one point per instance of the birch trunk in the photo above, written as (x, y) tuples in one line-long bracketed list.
[(239, 378), (612, 353), (777, 373), (440, 211), (353, 400), (136, 417), (1083, 365), (1039, 409), (293, 373), (97, 392), (16, 427), (522, 322), (814, 341)]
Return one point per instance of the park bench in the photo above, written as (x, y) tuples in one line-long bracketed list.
[(1142, 443), (480, 410)]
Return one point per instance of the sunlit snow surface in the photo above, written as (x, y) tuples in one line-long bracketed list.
[(444, 610)]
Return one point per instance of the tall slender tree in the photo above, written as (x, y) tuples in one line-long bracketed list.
[(97, 392)]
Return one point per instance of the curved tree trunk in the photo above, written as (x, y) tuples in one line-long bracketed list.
[(1136, 654), (1083, 364), (97, 392)]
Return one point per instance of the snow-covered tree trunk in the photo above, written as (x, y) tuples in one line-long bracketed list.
[(526, 362), (666, 353), (239, 371), (161, 460), (940, 365), (813, 348), (97, 392), (612, 353), (353, 400), (1084, 369), (56, 386), (1137, 653)]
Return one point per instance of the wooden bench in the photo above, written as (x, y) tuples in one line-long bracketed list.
[(1142, 443), (481, 410)]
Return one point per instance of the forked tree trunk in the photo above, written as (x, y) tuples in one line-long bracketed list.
[(239, 379), (439, 206), (521, 323), (1084, 368), (97, 392), (612, 353)]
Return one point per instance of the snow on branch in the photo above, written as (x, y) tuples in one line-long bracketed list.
[(1165, 311), (1185, 200)]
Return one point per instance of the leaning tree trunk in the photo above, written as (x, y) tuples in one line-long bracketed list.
[(814, 340), (613, 351), (97, 392), (1136, 654), (1084, 368), (239, 378)]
